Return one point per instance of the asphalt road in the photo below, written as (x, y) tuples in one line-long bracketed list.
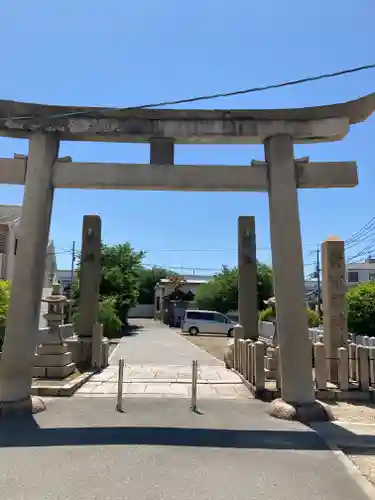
[(82, 448)]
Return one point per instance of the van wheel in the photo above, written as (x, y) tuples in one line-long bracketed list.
[(193, 330), (230, 332)]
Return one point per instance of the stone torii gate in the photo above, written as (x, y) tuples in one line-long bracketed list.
[(280, 175)]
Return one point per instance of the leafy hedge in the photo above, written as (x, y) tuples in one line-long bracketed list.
[(361, 309), (312, 316), (266, 314), (108, 317), (5, 287)]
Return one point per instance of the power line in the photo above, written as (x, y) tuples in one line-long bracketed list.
[(182, 268), (177, 250), (59, 253), (207, 97)]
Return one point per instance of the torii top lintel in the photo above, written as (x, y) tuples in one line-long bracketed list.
[(220, 126)]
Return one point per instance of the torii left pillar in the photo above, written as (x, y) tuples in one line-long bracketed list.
[(23, 316)]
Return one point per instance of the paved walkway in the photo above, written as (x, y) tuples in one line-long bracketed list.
[(158, 364)]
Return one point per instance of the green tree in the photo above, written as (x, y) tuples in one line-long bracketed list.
[(120, 269), (361, 309), (221, 292), (148, 278), (265, 284), (5, 288)]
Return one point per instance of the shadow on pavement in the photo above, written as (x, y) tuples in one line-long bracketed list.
[(28, 434), (364, 444), (131, 329)]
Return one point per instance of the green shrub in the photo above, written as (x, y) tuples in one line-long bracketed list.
[(108, 318), (313, 318), (5, 287), (361, 309), (266, 314)]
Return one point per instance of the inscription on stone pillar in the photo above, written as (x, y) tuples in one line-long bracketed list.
[(334, 302), (89, 275), (248, 246)]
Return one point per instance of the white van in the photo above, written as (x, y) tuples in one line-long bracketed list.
[(197, 321)]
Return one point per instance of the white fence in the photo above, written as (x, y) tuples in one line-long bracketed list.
[(267, 334), (259, 365)]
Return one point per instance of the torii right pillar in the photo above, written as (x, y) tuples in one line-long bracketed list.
[(297, 391)]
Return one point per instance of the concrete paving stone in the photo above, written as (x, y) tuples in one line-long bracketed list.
[(225, 391), (154, 380), (184, 375), (205, 391), (108, 387), (134, 388), (87, 388), (229, 375), (168, 389), (102, 377), (95, 395), (98, 389), (243, 392)]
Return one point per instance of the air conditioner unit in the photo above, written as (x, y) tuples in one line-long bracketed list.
[(2, 265)]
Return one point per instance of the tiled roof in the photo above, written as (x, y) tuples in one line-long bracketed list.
[(10, 213)]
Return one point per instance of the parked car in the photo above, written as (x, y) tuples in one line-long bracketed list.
[(198, 321)]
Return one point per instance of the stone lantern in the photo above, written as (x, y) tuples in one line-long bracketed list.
[(52, 358), (55, 315)]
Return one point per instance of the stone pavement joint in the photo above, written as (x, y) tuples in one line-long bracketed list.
[(172, 381)]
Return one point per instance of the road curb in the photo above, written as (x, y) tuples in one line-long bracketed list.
[(366, 486), (113, 352)]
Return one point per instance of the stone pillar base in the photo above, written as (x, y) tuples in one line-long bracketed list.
[(53, 361), (29, 406), (81, 349), (305, 413)]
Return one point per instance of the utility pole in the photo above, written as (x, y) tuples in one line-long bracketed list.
[(318, 278), (71, 281)]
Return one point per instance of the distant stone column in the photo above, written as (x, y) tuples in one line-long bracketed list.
[(334, 303), (247, 277), (288, 273), (17, 359), (89, 277), (162, 151)]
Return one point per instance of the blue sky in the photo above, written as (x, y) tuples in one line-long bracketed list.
[(121, 53)]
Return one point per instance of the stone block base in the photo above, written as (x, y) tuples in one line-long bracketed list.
[(46, 360), (270, 374), (81, 349), (54, 371), (46, 349), (305, 413), (29, 406)]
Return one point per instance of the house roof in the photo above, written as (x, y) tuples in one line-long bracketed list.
[(10, 213), (361, 266)]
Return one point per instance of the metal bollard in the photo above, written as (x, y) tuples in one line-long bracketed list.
[(194, 381), (119, 406)]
